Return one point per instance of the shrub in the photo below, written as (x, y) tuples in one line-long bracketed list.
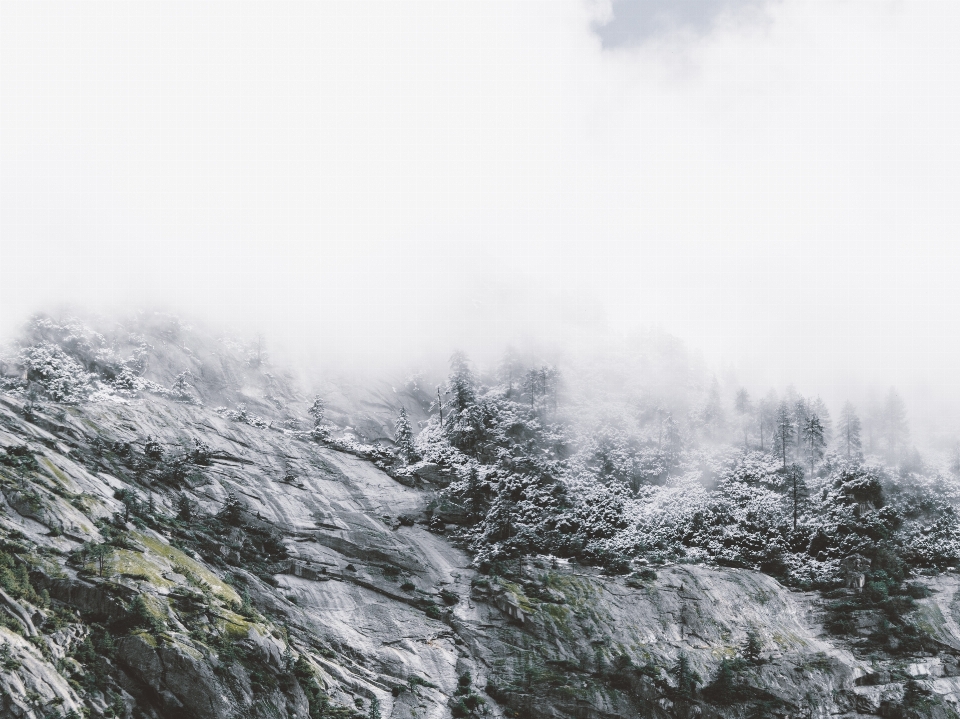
[(752, 647), (142, 618)]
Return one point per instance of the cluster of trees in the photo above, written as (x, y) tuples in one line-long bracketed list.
[(801, 429), (794, 500)]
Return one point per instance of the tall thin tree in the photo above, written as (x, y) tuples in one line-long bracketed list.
[(813, 440), (850, 430), (784, 431)]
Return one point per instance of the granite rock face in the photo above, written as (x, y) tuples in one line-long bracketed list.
[(328, 593)]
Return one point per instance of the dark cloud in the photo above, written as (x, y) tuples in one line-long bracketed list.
[(635, 22)]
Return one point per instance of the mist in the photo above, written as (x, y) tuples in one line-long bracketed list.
[(371, 186)]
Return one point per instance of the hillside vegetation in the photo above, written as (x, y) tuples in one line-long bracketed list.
[(185, 532)]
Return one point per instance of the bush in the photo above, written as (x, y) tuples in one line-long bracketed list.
[(141, 617), (727, 686)]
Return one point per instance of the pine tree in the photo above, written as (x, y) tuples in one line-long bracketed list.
[(464, 425), (374, 709), (752, 647), (404, 436), (801, 413), (767, 418), (813, 440), (686, 678), (784, 431), (184, 509), (317, 411), (744, 408), (232, 512), (461, 384), (850, 430), (533, 386), (671, 440), (798, 490), (819, 408), (896, 431), (510, 370)]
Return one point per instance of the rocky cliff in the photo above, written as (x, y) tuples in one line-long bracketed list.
[(165, 557)]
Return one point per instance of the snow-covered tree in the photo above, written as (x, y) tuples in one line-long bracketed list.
[(819, 408), (59, 375), (318, 412), (896, 430), (849, 431), (744, 409), (404, 436), (801, 413), (783, 431), (461, 385), (813, 440)]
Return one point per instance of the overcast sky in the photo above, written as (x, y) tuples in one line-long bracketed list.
[(776, 183)]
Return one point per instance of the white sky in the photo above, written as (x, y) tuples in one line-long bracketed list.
[(776, 184)]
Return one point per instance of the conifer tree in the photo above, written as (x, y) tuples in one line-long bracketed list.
[(819, 408), (767, 418), (896, 431), (184, 509), (461, 384), (744, 409), (784, 431), (801, 413), (798, 490), (850, 430), (404, 436), (686, 678), (318, 410), (813, 440)]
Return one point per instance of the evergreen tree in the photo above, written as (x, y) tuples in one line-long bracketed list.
[(461, 384), (819, 408), (100, 553), (744, 409), (801, 413), (152, 449), (533, 386), (464, 425), (684, 675), (850, 430), (797, 488), (767, 419), (184, 509), (510, 371), (671, 440), (752, 647), (896, 430), (474, 494), (374, 712), (232, 512), (783, 431), (404, 436), (317, 411), (813, 440)]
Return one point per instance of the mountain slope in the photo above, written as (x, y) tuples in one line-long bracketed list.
[(163, 558)]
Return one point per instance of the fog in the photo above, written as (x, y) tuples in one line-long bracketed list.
[(371, 185)]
